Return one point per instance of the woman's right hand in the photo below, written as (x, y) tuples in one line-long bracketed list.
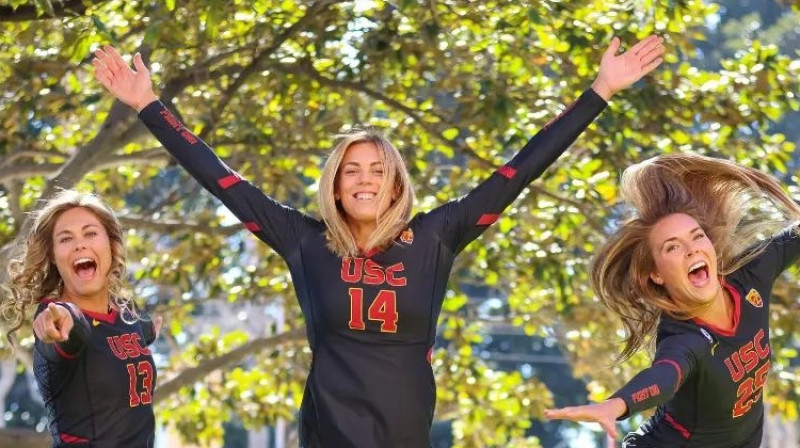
[(132, 87), (53, 324), (605, 413)]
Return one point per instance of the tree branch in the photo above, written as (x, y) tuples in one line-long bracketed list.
[(66, 8), (194, 374), (255, 65), (172, 225)]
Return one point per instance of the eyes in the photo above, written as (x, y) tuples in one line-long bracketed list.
[(671, 246), (89, 234), (353, 172)]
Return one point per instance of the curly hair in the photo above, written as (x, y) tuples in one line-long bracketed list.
[(34, 275)]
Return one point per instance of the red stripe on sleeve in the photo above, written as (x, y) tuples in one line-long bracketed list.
[(487, 219), (506, 171), (252, 226), (229, 181)]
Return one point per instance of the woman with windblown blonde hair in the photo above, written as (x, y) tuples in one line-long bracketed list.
[(90, 360), (369, 278), (691, 268)]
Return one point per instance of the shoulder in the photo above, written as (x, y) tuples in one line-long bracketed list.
[(674, 334)]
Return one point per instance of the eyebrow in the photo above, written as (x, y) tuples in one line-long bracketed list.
[(358, 164), (675, 237), (82, 228)]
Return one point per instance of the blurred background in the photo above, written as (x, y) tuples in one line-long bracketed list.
[(459, 85)]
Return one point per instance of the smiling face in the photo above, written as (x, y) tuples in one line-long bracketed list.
[(685, 260), (82, 254), (358, 182)]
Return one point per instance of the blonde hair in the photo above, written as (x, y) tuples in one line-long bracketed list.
[(398, 184), (719, 195), (33, 272)]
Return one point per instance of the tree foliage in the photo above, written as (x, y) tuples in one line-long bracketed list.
[(459, 85)]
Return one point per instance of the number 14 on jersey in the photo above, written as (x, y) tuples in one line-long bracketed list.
[(382, 309)]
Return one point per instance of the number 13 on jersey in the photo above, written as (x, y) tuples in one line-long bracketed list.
[(383, 309)]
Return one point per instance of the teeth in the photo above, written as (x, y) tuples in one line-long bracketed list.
[(365, 196), (697, 265), (82, 260)]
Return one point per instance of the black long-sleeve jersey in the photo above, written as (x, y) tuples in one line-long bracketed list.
[(707, 382), (371, 320), (98, 385)]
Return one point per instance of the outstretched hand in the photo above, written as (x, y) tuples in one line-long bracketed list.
[(53, 324), (618, 72), (605, 413), (133, 87)]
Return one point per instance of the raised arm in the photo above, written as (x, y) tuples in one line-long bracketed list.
[(277, 225), (676, 360), (60, 331), (781, 251), (461, 221)]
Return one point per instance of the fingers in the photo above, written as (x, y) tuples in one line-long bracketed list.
[(45, 328), (138, 64), (102, 74), (568, 413), (650, 52), (157, 322), (115, 58), (611, 442), (613, 47), (644, 43), (651, 66), (610, 428)]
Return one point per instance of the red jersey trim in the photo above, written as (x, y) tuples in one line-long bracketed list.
[(677, 367), (737, 311), (109, 317), (64, 354), (681, 429), (69, 438)]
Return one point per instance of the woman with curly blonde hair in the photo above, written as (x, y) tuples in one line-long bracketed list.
[(693, 268), (91, 360)]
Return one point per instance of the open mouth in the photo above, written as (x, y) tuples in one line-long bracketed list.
[(85, 268), (698, 273), (364, 196)]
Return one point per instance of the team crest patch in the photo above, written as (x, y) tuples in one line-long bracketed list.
[(407, 236), (754, 298)]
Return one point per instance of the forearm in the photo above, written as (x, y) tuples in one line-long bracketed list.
[(650, 388)]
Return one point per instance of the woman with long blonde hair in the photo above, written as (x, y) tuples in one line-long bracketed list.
[(90, 359), (369, 278), (692, 269)]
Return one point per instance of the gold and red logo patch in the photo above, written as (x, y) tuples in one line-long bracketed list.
[(754, 298), (407, 236)]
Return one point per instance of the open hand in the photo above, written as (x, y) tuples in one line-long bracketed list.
[(133, 87), (618, 72), (605, 413)]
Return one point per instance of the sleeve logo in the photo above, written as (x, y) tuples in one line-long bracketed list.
[(755, 298), (407, 236)]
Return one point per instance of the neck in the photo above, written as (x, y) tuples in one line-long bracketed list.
[(362, 231), (97, 303), (719, 313)]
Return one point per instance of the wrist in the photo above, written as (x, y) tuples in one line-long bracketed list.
[(147, 99), (618, 406), (602, 89)]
